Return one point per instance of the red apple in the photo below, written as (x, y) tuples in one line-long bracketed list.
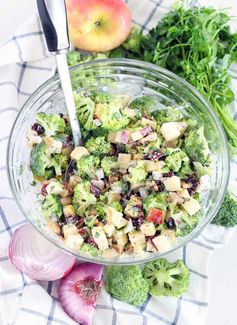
[(98, 25)]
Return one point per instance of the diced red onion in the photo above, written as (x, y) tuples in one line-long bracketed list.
[(143, 192), (124, 137), (147, 129), (98, 183), (117, 189), (97, 122), (100, 173), (36, 257)]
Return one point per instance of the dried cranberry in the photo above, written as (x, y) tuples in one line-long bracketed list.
[(146, 157), (94, 190), (137, 222), (91, 241), (38, 128), (155, 155), (68, 187), (67, 141), (158, 232), (84, 233), (80, 222), (72, 219), (170, 223), (61, 115), (192, 179), (62, 220), (161, 186), (169, 174)]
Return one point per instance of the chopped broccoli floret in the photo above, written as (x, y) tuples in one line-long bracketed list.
[(108, 164), (126, 283), (174, 159), (73, 58), (227, 215), (85, 108), (118, 206), (186, 222), (82, 197), (112, 116), (40, 159), (122, 186), (98, 146), (99, 96), (87, 166), (165, 278), (52, 207), (145, 104), (200, 169), (51, 123), (59, 163), (185, 170), (138, 173), (89, 249), (196, 146), (133, 41), (156, 200), (170, 115)]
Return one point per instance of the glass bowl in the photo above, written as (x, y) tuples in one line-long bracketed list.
[(117, 76)]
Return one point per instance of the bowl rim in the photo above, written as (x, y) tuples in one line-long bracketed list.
[(140, 65)]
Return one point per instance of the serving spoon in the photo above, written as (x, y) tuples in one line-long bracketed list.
[(53, 16)]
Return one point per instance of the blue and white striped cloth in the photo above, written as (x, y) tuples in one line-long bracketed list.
[(24, 65)]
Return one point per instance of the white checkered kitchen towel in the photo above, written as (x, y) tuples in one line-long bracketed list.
[(24, 65)]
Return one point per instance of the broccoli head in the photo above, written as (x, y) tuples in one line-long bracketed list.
[(82, 197), (89, 249), (99, 96), (85, 108), (165, 278), (51, 123), (171, 114), (156, 200), (200, 169), (145, 104), (52, 207), (227, 215), (196, 146), (126, 283), (98, 146), (59, 162), (108, 164), (111, 115), (73, 58), (185, 170), (87, 166), (40, 160), (138, 173), (186, 222), (174, 159)]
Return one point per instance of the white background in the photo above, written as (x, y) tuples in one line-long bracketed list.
[(223, 263)]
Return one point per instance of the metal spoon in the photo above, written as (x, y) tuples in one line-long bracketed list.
[(53, 16)]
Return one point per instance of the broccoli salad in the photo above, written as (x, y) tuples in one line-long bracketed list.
[(136, 183)]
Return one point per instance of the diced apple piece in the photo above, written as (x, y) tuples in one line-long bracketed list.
[(116, 218), (79, 152), (150, 247), (149, 138), (192, 206), (172, 183), (138, 156), (110, 253), (138, 240), (74, 180), (130, 112), (109, 229), (146, 121), (122, 241), (137, 135), (113, 196), (69, 229), (153, 165), (54, 226), (74, 241), (100, 238), (112, 137), (124, 160), (33, 138), (56, 188), (122, 136), (53, 145), (172, 130), (69, 210), (184, 193), (148, 229), (129, 227), (162, 243)]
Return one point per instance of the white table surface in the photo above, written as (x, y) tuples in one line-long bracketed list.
[(223, 264)]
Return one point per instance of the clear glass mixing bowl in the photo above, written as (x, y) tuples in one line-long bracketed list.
[(119, 76)]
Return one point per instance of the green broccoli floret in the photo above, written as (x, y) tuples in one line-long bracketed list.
[(186, 222), (126, 283), (120, 185), (87, 166), (59, 162), (166, 278), (133, 41), (112, 116), (138, 173), (85, 108), (108, 164), (145, 104), (52, 207), (200, 169), (156, 200), (118, 206), (89, 250), (196, 146), (82, 197), (99, 96), (73, 58), (98, 146), (171, 114), (51, 123), (174, 159), (40, 160), (227, 215), (185, 170)]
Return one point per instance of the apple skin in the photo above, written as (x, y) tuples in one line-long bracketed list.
[(98, 25)]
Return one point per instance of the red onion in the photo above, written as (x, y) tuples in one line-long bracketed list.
[(36, 257), (100, 173), (124, 137), (97, 122), (98, 183), (78, 292), (147, 129), (143, 192)]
